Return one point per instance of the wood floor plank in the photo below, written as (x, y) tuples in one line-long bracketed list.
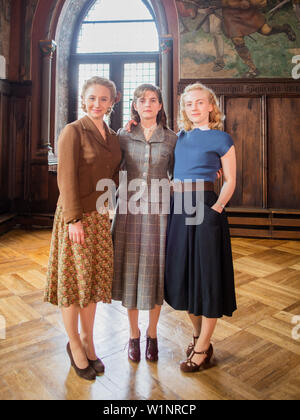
[(269, 293), (242, 278), (289, 389), (22, 264), (250, 311), (26, 385), (254, 267), (276, 257), (286, 277), (36, 278), (259, 364), (292, 247), (15, 311), (296, 266), (246, 247), (16, 284), (277, 329)]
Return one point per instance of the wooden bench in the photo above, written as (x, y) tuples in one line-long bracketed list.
[(264, 223)]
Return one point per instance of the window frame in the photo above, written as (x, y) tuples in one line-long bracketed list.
[(115, 60)]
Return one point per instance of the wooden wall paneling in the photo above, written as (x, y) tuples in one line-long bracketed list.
[(244, 122), (284, 153), (15, 99), (264, 136), (27, 183), (39, 184), (20, 104), (16, 63), (4, 146), (20, 124), (12, 156), (53, 192)]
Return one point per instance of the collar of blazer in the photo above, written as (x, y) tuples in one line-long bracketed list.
[(87, 124), (158, 135)]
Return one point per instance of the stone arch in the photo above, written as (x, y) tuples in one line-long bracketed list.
[(67, 23)]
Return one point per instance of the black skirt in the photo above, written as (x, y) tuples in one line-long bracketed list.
[(199, 274)]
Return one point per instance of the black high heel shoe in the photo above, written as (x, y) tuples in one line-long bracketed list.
[(87, 373)]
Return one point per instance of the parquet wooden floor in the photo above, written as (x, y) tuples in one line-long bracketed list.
[(257, 350)]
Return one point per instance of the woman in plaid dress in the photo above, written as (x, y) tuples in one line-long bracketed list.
[(139, 233)]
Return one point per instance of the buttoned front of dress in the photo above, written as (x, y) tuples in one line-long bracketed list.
[(147, 160)]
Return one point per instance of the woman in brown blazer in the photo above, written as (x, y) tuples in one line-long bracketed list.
[(80, 267)]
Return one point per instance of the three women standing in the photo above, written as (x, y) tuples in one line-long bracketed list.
[(80, 267), (192, 271)]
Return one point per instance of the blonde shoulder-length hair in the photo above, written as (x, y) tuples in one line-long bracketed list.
[(216, 117)]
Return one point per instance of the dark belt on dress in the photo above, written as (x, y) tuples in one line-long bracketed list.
[(192, 186)]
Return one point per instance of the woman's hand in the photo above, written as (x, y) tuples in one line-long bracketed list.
[(217, 208), (130, 124), (76, 233)]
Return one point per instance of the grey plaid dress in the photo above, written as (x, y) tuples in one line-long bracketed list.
[(140, 239)]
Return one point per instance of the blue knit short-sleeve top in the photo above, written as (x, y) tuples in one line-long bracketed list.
[(198, 154)]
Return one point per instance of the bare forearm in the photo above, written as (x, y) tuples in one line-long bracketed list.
[(226, 193), (229, 170)]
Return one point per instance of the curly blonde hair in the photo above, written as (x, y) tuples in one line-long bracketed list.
[(216, 117), (102, 82)]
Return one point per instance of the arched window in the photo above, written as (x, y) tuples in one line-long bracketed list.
[(116, 39)]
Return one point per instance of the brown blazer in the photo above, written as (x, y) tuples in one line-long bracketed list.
[(84, 158)]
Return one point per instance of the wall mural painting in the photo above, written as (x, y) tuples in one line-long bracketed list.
[(238, 38)]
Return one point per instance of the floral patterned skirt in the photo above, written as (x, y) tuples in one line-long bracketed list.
[(80, 274)]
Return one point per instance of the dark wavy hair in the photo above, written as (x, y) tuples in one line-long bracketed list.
[(139, 93)]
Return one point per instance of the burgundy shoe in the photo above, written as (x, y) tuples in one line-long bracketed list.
[(97, 365), (134, 352), (151, 349)]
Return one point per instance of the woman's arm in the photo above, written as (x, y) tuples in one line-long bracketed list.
[(67, 176), (229, 173), (68, 182)]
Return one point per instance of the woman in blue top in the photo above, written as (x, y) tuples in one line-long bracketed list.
[(199, 272)]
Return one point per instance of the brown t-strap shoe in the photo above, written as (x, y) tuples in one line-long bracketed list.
[(191, 346), (188, 366)]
